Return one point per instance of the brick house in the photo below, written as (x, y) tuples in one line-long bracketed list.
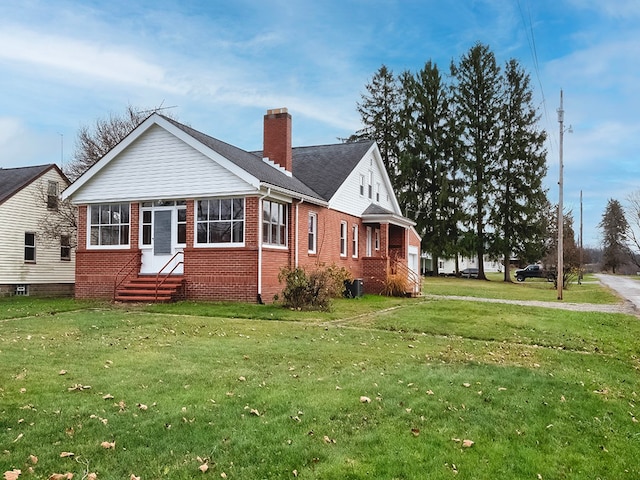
[(31, 262), (179, 212)]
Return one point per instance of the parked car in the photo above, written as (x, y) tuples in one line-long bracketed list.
[(469, 273)]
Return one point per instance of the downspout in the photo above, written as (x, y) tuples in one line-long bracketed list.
[(260, 210), (297, 245)]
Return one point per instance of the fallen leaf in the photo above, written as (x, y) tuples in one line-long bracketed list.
[(142, 406), (66, 454), (223, 475), (18, 437), (467, 443), (92, 476), (364, 399), (61, 476), (430, 392), (501, 389), (295, 473), (79, 388), (108, 445), (255, 412), (326, 439), (62, 372), (133, 477), (108, 396), (467, 385), (12, 474), (33, 459), (203, 468), (415, 432), (242, 379)]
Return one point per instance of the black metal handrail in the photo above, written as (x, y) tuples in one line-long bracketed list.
[(166, 276)]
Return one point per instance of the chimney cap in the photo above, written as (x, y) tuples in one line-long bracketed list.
[(276, 111)]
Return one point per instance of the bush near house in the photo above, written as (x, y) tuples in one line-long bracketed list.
[(314, 289)]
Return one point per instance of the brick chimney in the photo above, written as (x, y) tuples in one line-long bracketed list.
[(277, 138)]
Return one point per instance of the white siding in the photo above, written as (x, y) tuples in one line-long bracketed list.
[(19, 214), (348, 199), (159, 165)]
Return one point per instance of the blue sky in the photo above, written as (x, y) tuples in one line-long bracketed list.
[(64, 64)]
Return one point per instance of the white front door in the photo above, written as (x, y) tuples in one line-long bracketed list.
[(159, 240)]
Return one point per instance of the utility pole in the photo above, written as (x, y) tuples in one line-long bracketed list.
[(560, 207), (580, 265)]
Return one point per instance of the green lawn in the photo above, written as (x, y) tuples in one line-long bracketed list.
[(262, 392)]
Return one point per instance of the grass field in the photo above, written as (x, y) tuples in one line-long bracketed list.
[(376, 388)]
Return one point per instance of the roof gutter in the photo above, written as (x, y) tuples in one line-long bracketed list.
[(291, 193)]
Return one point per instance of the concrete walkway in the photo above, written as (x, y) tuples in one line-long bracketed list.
[(628, 289)]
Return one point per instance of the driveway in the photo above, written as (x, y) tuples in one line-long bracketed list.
[(626, 287)]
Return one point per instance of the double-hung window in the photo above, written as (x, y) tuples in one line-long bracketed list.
[(354, 241), (109, 225), (313, 232), (65, 248), (274, 223), (219, 221), (343, 239), (52, 195), (30, 247)]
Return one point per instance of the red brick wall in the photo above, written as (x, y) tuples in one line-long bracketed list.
[(97, 270), (221, 274), (277, 138), (232, 273)]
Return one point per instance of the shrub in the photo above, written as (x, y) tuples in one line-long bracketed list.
[(312, 290), (395, 286)]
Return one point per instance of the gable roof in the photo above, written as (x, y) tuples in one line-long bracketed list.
[(252, 163), (12, 180), (325, 167)]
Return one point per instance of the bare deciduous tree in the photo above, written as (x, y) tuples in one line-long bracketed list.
[(95, 141)]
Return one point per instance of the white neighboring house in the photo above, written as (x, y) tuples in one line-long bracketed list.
[(448, 266), (31, 264)]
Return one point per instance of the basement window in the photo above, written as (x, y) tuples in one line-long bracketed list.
[(21, 290)]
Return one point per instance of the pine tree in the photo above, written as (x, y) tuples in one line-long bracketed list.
[(379, 114), (425, 161), (478, 100), (519, 198), (614, 228)]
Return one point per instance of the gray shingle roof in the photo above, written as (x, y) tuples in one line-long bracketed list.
[(324, 168), (13, 180), (251, 163), (318, 171)]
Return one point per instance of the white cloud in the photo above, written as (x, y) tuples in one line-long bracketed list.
[(70, 56)]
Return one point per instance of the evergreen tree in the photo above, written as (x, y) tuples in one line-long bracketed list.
[(379, 113), (478, 99), (614, 228), (519, 197), (425, 161)]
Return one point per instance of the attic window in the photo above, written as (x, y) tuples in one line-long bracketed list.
[(52, 195)]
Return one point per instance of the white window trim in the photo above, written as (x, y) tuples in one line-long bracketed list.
[(313, 221), (277, 246), (122, 246), (343, 239), (377, 239), (354, 241), (223, 244)]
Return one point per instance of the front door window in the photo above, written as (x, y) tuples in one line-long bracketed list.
[(163, 234)]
